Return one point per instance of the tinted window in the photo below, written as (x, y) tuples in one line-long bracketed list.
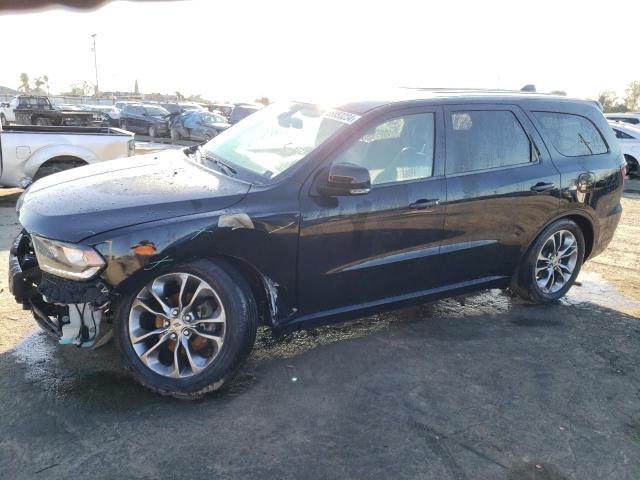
[(572, 135), (477, 140), (396, 150), (621, 134), (156, 111)]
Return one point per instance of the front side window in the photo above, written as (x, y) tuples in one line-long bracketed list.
[(275, 138), (396, 150), (572, 135), (481, 139)]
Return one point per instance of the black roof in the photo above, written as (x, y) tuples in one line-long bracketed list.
[(440, 96)]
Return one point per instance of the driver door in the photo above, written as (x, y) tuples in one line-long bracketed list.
[(359, 250)]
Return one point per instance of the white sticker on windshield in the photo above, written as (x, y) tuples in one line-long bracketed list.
[(340, 116)]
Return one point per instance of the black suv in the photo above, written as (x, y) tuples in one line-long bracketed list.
[(147, 119), (301, 215)]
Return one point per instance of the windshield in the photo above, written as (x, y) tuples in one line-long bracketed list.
[(275, 138)]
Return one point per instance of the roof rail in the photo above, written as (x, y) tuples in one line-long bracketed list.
[(525, 89)]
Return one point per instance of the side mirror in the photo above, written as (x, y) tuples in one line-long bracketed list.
[(346, 179)]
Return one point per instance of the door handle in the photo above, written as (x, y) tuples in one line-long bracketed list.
[(425, 203), (542, 187)]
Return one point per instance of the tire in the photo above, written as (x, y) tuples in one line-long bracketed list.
[(175, 135), (47, 169), (633, 169), (536, 265), (152, 131), (240, 320)]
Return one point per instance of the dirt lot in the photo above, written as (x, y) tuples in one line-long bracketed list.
[(492, 389)]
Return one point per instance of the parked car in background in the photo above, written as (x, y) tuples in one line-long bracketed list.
[(110, 113), (304, 214), (38, 110), (223, 109), (629, 138), (120, 104), (630, 118), (147, 119), (175, 109), (198, 125), (28, 153), (7, 114), (241, 111)]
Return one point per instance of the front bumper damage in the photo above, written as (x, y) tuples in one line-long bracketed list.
[(72, 311)]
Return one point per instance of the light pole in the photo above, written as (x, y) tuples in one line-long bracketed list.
[(95, 62)]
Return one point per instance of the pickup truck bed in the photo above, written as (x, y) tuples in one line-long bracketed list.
[(27, 150)]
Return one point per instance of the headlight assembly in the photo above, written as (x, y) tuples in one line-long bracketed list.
[(67, 260)]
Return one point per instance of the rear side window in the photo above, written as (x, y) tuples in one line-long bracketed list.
[(572, 135), (621, 134), (481, 139)]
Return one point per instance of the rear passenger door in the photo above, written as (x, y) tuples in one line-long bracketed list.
[(501, 189)]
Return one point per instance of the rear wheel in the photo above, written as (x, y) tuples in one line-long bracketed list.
[(186, 331), (633, 169), (552, 263)]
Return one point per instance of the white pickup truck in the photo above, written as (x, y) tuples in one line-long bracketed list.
[(28, 153)]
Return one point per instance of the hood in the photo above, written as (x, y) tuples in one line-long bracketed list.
[(82, 202)]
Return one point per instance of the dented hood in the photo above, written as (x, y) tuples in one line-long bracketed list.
[(86, 201)]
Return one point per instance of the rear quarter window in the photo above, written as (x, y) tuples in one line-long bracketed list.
[(572, 135)]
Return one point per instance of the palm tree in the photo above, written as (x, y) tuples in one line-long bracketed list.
[(24, 83)]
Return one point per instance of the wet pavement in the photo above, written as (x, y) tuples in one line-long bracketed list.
[(483, 387)]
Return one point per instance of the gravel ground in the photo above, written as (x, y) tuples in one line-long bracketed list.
[(488, 389)]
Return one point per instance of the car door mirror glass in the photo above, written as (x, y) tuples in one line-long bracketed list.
[(346, 179)]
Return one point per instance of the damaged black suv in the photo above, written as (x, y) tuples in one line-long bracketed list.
[(302, 214)]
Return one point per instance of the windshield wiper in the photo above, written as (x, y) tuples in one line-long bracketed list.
[(586, 144), (224, 167)]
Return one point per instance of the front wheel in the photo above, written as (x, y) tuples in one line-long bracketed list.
[(186, 331), (552, 263)]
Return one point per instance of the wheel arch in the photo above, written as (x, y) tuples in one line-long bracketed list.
[(58, 153), (631, 159), (260, 285), (581, 219)]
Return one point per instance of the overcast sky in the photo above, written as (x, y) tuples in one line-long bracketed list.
[(243, 49)]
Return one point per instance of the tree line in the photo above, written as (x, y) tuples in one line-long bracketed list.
[(40, 83), (612, 103)]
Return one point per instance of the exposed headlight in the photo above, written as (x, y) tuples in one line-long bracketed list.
[(68, 260)]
